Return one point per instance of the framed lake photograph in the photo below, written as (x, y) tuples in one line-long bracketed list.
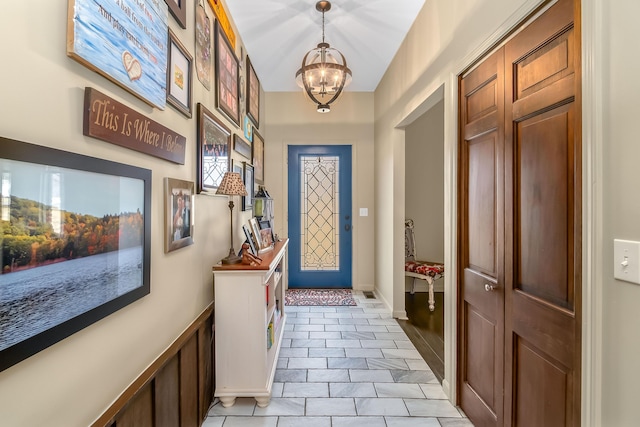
[(227, 86), (179, 71), (243, 147), (214, 140), (76, 244), (178, 213)]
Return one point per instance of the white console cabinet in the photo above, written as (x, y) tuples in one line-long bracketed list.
[(249, 324)]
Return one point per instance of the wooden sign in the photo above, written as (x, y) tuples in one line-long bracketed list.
[(218, 10), (108, 120)]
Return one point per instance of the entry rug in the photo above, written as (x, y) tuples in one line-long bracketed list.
[(319, 297)]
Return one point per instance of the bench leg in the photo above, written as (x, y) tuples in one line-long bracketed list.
[(413, 286), (432, 298)]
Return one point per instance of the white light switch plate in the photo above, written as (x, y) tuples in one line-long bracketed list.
[(626, 260), (364, 211)]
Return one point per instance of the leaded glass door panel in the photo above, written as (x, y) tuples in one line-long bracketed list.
[(320, 242)]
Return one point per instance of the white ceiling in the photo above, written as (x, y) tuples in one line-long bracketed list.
[(278, 33)]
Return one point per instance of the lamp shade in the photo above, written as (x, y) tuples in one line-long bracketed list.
[(232, 185)]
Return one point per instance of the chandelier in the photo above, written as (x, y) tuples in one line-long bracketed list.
[(324, 72)]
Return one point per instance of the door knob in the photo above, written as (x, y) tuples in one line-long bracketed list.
[(347, 227), (488, 287)]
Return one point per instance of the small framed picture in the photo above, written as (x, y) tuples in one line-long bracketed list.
[(179, 70), (249, 236), (242, 146), (253, 94), (266, 233), (255, 231), (227, 86), (203, 47), (258, 156), (214, 140), (178, 213), (178, 9), (247, 201)]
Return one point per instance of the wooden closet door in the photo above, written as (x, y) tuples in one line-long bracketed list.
[(481, 228), (543, 222)]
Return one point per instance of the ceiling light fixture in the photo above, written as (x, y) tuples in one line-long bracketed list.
[(324, 72)]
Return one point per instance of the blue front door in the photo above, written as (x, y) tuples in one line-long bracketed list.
[(320, 243)]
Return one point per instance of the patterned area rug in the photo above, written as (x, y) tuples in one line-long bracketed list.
[(319, 297)]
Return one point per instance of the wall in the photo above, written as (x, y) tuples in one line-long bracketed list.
[(621, 151), (424, 182), (75, 380), (291, 119), (444, 33)]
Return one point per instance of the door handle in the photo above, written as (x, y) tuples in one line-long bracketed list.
[(347, 227), (488, 287)]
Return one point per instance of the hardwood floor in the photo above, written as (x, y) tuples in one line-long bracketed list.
[(425, 329)]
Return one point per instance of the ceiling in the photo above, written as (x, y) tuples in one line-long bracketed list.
[(278, 33)]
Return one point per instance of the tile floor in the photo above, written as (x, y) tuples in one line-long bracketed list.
[(346, 367)]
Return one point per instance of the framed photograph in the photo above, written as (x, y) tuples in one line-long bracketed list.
[(179, 71), (243, 147), (266, 232), (178, 214), (76, 244), (227, 86), (133, 53), (203, 47), (248, 128), (214, 139), (255, 231), (253, 94), (178, 9), (258, 157), (247, 201), (250, 240)]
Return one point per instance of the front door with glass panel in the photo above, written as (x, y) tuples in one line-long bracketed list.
[(320, 216)]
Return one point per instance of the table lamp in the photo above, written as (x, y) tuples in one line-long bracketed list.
[(232, 185)]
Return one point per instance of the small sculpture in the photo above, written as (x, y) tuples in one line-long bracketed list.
[(248, 258)]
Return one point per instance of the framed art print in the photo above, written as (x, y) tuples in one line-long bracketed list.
[(227, 87), (178, 9), (76, 244), (178, 214), (253, 94), (243, 147), (247, 201), (214, 140), (203, 47), (258, 157), (179, 71)]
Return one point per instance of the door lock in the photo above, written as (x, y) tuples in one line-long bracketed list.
[(488, 287)]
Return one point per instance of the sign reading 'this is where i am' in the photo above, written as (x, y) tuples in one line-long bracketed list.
[(108, 120)]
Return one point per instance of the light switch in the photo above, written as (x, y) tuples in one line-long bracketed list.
[(626, 260), (364, 211)]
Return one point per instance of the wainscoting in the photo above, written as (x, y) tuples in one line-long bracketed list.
[(177, 389)]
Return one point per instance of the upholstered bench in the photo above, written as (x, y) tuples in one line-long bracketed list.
[(423, 270)]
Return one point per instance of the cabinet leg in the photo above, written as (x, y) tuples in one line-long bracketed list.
[(227, 401), (263, 401)]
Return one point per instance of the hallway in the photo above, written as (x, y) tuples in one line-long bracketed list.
[(346, 367)]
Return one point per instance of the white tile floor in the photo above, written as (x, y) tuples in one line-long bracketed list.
[(346, 367)]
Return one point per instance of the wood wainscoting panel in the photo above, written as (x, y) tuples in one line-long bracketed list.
[(177, 389)]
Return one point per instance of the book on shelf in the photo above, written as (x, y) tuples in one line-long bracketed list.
[(270, 335)]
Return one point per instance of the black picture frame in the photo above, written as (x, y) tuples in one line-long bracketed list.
[(249, 183), (178, 9), (179, 76), (227, 77), (214, 156), (60, 286)]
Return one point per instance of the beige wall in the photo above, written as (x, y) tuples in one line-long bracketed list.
[(444, 33), (621, 153), (291, 119), (424, 182), (41, 95)]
